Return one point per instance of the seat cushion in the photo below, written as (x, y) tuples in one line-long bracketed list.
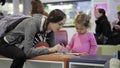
[(61, 36)]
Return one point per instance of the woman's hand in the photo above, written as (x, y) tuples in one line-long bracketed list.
[(117, 27), (55, 48)]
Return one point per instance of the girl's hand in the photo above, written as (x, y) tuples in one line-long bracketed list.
[(63, 50), (55, 48), (84, 53)]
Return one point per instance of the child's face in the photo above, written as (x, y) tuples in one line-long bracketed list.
[(81, 29)]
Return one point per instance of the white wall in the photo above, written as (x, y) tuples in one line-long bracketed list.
[(70, 31), (112, 6)]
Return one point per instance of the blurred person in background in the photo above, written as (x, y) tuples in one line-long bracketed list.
[(103, 27), (115, 38), (37, 7)]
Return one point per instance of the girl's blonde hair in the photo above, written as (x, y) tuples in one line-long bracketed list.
[(83, 19)]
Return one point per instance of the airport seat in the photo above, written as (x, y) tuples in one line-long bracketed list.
[(107, 49), (61, 37)]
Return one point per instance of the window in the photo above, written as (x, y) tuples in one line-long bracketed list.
[(70, 8)]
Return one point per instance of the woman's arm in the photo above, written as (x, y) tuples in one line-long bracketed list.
[(30, 31)]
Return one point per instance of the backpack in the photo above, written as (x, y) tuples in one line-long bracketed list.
[(9, 22)]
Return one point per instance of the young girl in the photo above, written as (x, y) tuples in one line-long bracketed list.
[(82, 42)]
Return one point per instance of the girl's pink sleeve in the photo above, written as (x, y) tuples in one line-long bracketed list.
[(93, 45), (70, 44)]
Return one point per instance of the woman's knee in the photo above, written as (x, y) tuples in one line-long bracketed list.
[(21, 56)]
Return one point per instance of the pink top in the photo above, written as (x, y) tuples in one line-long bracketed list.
[(83, 43)]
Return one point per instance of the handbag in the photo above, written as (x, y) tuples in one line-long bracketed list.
[(101, 39)]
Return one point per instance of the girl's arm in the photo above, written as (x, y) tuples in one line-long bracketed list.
[(93, 45), (70, 44)]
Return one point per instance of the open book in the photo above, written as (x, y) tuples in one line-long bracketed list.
[(65, 51)]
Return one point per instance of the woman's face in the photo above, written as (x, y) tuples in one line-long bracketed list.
[(56, 26), (97, 14)]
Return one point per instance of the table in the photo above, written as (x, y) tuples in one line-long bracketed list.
[(91, 61), (48, 61)]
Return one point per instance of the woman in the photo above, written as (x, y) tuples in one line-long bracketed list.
[(115, 38), (28, 33), (103, 27), (37, 7)]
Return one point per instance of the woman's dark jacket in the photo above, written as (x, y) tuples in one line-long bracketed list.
[(103, 26)]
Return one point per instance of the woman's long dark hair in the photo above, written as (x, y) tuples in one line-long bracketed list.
[(101, 10), (54, 16)]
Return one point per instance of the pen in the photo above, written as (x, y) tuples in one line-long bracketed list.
[(64, 49), (62, 44)]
